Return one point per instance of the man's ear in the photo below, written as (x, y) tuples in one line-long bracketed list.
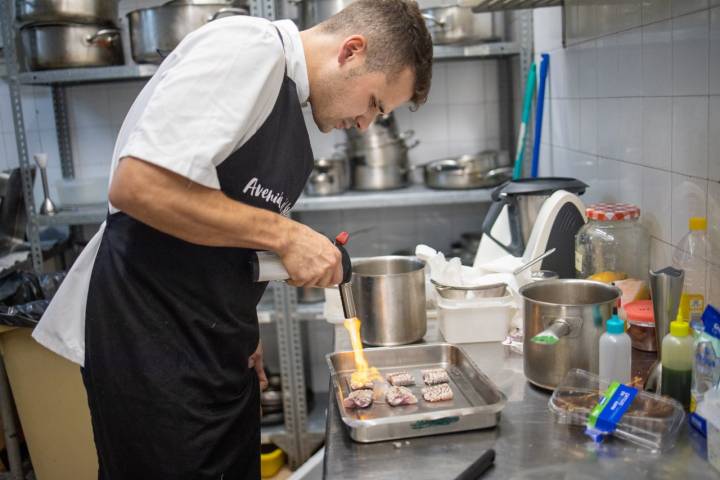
[(352, 49)]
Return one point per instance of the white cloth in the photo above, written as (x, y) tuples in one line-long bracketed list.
[(209, 97)]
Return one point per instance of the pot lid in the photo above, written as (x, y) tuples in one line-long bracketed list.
[(609, 212), (539, 186), (640, 312)]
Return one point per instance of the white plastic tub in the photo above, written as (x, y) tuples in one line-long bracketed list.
[(475, 320)]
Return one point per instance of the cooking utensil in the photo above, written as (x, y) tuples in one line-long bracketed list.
[(460, 293), (48, 207), (99, 12), (479, 466), (665, 288), (477, 402), (267, 266), (389, 293), (522, 134), (65, 45), (544, 66), (532, 262), (451, 174), (156, 31), (572, 311), (365, 177), (330, 176), (459, 25), (315, 11)]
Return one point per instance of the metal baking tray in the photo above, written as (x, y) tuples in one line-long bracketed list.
[(477, 403)]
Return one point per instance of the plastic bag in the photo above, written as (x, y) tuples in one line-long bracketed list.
[(24, 296)]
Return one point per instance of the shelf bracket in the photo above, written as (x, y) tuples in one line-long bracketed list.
[(292, 373), (62, 126), (26, 171)]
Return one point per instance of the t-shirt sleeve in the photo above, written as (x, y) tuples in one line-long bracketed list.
[(219, 90)]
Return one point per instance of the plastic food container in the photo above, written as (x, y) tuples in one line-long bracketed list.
[(651, 421), (82, 191), (613, 245), (641, 325), (475, 320)]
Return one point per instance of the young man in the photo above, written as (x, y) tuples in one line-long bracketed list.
[(160, 308)]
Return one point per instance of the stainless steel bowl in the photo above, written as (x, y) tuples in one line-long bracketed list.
[(461, 293)]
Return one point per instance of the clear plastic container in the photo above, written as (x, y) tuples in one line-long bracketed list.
[(613, 245), (641, 325), (615, 352), (651, 421), (689, 255)]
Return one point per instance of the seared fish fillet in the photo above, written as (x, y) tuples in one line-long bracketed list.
[(400, 379), (435, 376), (396, 396), (358, 399), (437, 393), (360, 384)]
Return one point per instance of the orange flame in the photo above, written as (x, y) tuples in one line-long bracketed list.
[(363, 373)]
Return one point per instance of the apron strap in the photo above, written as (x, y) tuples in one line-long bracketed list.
[(282, 42)]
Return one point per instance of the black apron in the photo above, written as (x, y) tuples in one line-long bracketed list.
[(170, 326)]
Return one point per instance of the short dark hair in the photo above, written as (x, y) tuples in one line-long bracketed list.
[(397, 38)]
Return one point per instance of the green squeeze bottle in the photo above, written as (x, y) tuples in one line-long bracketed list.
[(677, 362)]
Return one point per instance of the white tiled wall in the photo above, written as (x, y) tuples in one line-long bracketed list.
[(634, 110)]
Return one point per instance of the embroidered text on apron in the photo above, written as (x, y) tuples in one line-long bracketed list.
[(170, 326)]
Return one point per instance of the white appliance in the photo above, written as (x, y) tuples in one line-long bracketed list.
[(531, 216)]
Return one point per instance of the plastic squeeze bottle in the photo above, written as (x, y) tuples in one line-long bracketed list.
[(689, 255), (677, 362), (615, 352)]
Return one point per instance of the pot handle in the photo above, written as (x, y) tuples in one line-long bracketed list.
[(406, 136), (104, 38), (551, 335), (228, 10), (430, 18)]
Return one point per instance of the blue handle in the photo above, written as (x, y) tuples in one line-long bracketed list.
[(544, 67)]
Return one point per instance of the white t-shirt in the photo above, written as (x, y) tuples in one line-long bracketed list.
[(208, 97)]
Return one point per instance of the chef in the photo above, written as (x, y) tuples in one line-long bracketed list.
[(160, 307)]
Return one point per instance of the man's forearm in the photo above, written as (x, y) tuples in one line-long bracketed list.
[(194, 213)]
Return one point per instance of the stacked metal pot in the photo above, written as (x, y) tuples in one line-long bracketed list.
[(69, 33), (331, 175), (379, 156), (156, 31), (459, 25)]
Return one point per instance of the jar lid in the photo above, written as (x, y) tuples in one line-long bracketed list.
[(640, 311), (606, 212)]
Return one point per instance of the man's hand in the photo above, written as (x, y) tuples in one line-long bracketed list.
[(256, 361), (311, 259)]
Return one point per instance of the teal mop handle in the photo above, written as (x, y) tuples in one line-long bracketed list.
[(522, 137)]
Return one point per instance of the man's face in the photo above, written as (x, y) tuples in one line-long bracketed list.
[(346, 95)]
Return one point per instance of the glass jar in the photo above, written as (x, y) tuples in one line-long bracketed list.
[(613, 245)]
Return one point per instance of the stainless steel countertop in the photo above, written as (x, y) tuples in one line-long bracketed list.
[(527, 441)]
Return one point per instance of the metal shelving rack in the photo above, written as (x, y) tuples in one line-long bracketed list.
[(303, 431)]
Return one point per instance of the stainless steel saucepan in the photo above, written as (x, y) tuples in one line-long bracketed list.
[(99, 12), (69, 45), (389, 295), (485, 169), (156, 31), (459, 25), (563, 322)]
